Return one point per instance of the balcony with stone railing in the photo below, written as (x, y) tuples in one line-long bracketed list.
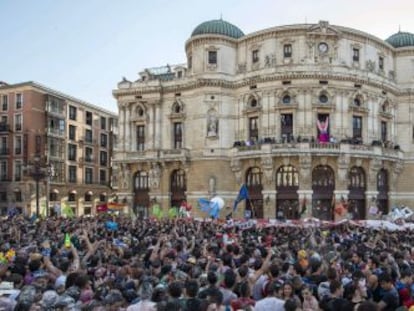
[(318, 149)]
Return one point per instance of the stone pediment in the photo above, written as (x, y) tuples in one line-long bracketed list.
[(124, 83), (323, 29)]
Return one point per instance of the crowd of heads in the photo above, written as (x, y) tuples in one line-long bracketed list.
[(184, 264)]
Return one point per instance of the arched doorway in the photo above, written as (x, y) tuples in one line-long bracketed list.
[(178, 187), (382, 188), (141, 194), (254, 185), (287, 185), (356, 197), (323, 186)]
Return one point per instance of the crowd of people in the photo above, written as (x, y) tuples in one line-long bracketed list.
[(112, 262)]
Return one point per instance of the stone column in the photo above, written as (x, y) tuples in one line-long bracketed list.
[(150, 127), (121, 125), (158, 129), (127, 125)]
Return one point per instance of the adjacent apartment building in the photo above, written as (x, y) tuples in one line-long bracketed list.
[(304, 115), (55, 151)]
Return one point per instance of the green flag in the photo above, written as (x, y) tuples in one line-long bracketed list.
[(156, 211), (67, 210), (172, 212)]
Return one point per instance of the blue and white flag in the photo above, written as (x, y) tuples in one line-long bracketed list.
[(243, 195), (212, 208)]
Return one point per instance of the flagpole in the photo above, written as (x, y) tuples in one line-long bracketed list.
[(253, 208)]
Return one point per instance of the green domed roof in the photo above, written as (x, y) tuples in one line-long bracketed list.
[(219, 27), (401, 39)]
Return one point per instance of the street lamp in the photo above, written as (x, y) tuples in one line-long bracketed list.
[(38, 173)]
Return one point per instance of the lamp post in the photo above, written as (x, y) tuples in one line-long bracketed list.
[(49, 174), (37, 174)]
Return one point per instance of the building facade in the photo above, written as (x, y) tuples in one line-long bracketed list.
[(55, 151), (305, 115)]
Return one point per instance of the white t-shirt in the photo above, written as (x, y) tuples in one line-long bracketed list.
[(270, 303), (143, 305)]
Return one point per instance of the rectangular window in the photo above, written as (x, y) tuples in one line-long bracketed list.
[(88, 136), (212, 57), (89, 175), (3, 196), (72, 132), (255, 56), (5, 103), (72, 113), (357, 127), (104, 140), (88, 118), (19, 101), (381, 63), (140, 137), (88, 154), (103, 156), (190, 61), (178, 135), (18, 196), (383, 131), (3, 170), (18, 122), (4, 150), (253, 130), (102, 177), (71, 152), (179, 74), (18, 143), (286, 127), (103, 123), (287, 50), (72, 197), (38, 144), (18, 171), (72, 173), (355, 55)]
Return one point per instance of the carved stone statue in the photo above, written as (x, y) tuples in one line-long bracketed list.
[(212, 185), (212, 125), (125, 176), (155, 175)]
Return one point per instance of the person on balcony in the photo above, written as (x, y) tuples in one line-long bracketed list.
[(323, 130)]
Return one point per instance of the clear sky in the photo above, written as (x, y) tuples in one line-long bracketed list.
[(84, 47)]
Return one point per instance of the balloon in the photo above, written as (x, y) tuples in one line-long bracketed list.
[(219, 201)]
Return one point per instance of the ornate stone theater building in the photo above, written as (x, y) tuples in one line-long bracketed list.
[(305, 115)]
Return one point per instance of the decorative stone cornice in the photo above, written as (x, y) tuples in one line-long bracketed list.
[(203, 82)]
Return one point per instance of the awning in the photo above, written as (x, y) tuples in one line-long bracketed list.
[(89, 192), (73, 192), (55, 191), (17, 190), (103, 193)]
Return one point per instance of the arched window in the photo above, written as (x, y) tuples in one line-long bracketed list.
[(357, 178), (254, 177), (178, 187), (287, 176), (141, 181)]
